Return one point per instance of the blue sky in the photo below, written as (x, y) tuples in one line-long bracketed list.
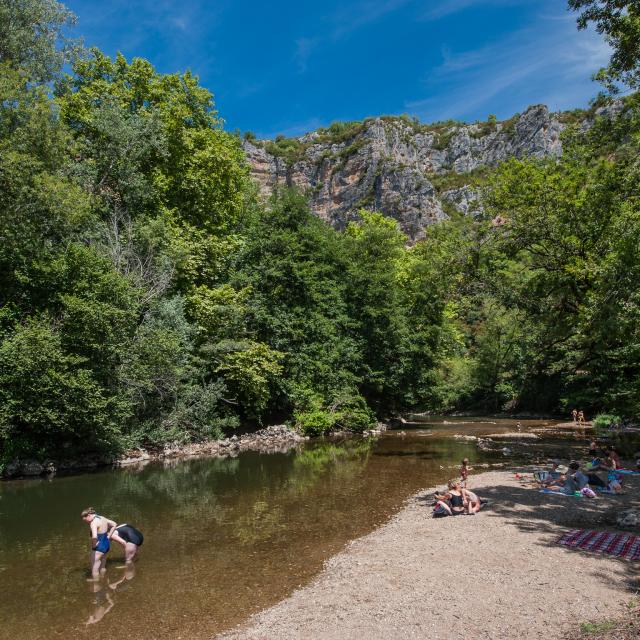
[(289, 67)]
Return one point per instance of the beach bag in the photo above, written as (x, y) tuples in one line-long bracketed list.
[(540, 476)]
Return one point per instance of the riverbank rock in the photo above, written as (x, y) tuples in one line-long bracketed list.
[(629, 519), (134, 457), (273, 439), (514, 435)]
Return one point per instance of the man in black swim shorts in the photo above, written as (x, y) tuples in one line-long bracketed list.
[(130, 538)]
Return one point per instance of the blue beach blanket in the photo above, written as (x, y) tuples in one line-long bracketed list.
[(561, 493)]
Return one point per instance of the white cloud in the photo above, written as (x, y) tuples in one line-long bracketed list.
[(548, 63), (353, 17), (442, 8), (304, 49)]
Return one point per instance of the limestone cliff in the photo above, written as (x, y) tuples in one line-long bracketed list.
[(415, 173)]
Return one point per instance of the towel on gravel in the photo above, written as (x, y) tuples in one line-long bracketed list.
[(561, 493), (622, 545)]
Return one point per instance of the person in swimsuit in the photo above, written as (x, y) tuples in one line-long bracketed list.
[(442, 506), (100, 528), (456, 499), (471, 501), (130, 538), (464, 472)]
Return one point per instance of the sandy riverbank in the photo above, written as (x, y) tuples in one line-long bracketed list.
[(497, 575)]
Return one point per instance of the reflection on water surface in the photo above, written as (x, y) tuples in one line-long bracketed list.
[(223, 537)]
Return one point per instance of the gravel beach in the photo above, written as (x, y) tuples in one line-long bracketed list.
[(495, 575)]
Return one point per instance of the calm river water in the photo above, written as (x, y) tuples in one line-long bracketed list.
[(223, 537)]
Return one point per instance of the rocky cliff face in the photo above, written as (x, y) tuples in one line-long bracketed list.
[(415, 173)]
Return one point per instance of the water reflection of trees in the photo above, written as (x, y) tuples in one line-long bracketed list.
[(344, 460), (270, 512)]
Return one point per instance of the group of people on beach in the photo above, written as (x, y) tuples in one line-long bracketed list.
[(103, 530), (597, 474), (458, 499)]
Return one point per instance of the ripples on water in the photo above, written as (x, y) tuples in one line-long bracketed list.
[(223, 537)]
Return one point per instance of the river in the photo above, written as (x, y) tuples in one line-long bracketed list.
[(223, 537)]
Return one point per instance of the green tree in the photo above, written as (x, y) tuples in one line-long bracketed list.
[(50, 402), (291, 267), (32, 37)]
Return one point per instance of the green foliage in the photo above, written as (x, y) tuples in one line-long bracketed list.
[(453, 180), (604, 421), (339, 132), (291, 150), (147, 296), (50, 400), (31, 36), (293, 265), (314, 422), (249, 369), (571, 231), (349, 412)]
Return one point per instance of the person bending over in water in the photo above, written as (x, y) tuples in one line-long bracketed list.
[(130, 538), (100, 528)]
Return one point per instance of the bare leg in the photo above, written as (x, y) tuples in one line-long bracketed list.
[(444, 506), (103, 564), (95, 563), (130, 552)]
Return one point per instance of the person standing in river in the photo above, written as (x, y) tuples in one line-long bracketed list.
[(100, 528), (130, 538), (574, 414)]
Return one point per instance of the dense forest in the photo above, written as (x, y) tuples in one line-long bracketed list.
[(148, 295)]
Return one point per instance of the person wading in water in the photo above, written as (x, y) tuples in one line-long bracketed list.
[(100, 528), (130, 538)]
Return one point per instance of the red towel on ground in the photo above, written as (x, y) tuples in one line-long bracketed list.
[(622, 545)]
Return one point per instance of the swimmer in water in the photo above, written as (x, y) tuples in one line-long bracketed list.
[(100, 528), (130, 538)]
